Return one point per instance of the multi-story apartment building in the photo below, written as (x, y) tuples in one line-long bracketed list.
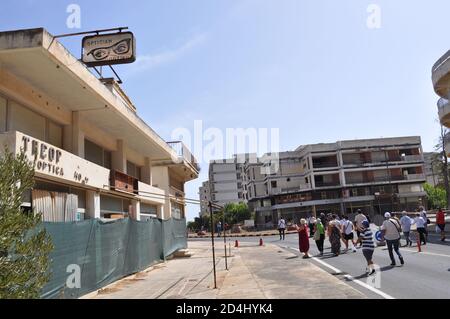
[(226, 180), (204, 193), (95, 157), (375, 175)]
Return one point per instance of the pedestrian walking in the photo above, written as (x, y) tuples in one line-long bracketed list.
[(219, 229), (334, 235), (303, 238), (319, 235), (421, 225), (282, 228), (423, 214), (440, 223), (311, 223), (359, 218), (347, 233), (368, 245), (391, 232), (406, 222)]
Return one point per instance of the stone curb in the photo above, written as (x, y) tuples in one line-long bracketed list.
[(244, 235)]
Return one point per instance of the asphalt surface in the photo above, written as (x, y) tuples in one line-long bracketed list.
[(424, 275)]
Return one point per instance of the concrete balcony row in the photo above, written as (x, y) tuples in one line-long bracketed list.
[(441, 75), (444, 111), (184, 155)]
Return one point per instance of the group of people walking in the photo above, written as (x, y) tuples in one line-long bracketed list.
[(340, 231)]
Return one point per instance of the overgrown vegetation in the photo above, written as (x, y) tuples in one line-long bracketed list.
[(437, 197), (24, 245)]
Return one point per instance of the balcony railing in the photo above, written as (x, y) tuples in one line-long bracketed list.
[(442, 103), (327, 184), (385, 179), (184, 153)]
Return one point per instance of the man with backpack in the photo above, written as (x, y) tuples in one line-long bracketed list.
[(391, 232)]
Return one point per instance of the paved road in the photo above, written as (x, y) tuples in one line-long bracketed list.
[(424, 275)]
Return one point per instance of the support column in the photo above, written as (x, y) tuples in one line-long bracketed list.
[(136, 205), (146, 172), (341, 169), (119, 159), (77, 135), (160, 212), (92, 204)]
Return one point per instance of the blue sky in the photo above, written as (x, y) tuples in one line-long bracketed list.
[(313, 69)]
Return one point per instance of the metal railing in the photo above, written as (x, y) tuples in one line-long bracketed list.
[(184, 153), (442, 103)]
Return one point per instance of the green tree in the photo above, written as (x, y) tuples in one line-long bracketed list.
[(437, 196), (236, 213), (24, 245), (442, 160)]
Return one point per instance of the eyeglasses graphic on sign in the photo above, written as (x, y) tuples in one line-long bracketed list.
[(109, 49), (118, 49)]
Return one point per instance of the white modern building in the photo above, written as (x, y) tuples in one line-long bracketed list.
[(95, 157)]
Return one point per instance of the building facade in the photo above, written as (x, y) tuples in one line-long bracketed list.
[(441, 84), (375, 175), (204, 193), (94, 156)]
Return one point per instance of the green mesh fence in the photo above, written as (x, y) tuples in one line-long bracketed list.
[(107, 251)]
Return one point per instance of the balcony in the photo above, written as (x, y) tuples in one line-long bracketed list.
[(328, 184), (444, 111), (387, 179), (441, 75), (184, 154)]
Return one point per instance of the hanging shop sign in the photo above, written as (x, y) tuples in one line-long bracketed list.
[(109, 49)]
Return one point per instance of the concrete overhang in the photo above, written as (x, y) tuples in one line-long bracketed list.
[(36, 57), (441, 75)]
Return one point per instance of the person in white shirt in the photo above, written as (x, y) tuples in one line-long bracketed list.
[(347, 233), (421, 225), (282, 228), (406, 222), (391, 233), (423, 214)]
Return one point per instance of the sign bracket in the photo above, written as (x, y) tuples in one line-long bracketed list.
[(97, 32)]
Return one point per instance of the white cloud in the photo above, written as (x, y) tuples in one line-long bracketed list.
[(150, 61)]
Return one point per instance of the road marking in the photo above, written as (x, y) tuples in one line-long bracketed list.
[(426, 253), (349, 277)]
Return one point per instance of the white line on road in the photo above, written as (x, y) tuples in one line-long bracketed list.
[(349, 277)]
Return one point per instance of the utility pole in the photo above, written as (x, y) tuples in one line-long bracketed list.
[(225, 239), (212, 243)]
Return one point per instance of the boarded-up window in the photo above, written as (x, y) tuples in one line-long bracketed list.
[(55, 134), (27, 121)]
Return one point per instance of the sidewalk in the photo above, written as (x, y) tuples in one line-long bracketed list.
[(255, 272)]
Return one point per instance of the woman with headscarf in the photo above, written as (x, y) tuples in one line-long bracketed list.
[(303, 238), (319, 235), (334, 234)]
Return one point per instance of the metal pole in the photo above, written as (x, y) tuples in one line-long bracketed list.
[(212, 243), (225, 240)]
